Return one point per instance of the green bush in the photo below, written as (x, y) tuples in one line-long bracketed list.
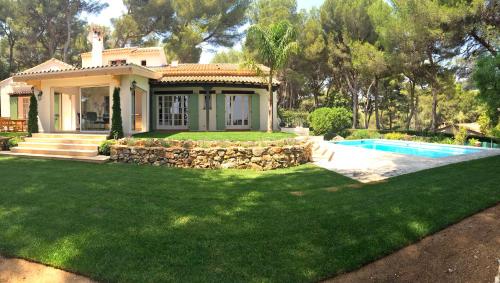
[(291, 118), (329, 121), (33, 116), (105, 147), (495, 132), (396, 136), (116, 120), (461, 136), (473, 141), (13, 142), (363, 134)]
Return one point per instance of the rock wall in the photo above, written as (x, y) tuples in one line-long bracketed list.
[(259, 158)]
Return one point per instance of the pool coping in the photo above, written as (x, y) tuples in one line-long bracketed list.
[(369, 165)]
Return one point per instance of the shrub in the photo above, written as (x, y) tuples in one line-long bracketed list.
[(461, 136), (13, 142), (473, 141), (363, 134), (291, 118), (447, 141), (116, 120), (327, 121), (33, 116), (105, 147), (396, 136), (495, 132)]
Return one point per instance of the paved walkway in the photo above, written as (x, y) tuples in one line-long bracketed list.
[(367, 165), (468, 251)]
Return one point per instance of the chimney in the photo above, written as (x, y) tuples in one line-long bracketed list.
[(96, 38)]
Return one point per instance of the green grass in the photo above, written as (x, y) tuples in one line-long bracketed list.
[(214, 136), (12, 134), (128, 223)]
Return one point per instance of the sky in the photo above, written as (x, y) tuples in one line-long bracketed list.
[(116, 8)]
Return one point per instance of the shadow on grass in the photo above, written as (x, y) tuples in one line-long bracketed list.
[(117, 222)]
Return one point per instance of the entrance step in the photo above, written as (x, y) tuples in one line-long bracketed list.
[(56, 145), (99, 137), (46, 151), (91, 159), (64, 141)]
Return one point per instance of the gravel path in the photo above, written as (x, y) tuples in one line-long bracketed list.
[(468, 251)]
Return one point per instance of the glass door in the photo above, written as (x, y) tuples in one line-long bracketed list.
[(57, 111), (237, 111), (95, 105), (137, 103), (172, 112)]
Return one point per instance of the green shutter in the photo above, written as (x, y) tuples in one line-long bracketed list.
[(13, 107), (193, 112), (220, 111), (255, 112)]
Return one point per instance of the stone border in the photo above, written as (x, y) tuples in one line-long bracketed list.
[(256, 157)]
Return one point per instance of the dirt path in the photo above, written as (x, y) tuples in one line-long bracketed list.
[(468, 251), (18, 270)]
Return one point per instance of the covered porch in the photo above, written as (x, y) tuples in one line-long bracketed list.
[(80, 100)]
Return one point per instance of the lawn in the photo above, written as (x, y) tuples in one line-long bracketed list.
[(12, 134), (213, 136), (128, 223)]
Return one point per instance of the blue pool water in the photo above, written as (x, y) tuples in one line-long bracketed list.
[(411, 148)]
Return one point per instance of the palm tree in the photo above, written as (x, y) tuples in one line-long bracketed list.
[(275, 44)]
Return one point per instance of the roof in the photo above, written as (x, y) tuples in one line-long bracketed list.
[(126, 50), (472, 128), (122, 69), (21, 90), (52, 63), (212, 73)]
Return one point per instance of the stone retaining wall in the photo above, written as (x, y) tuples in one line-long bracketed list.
[(260, 158)]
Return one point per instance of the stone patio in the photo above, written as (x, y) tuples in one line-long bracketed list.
[(366, 165)]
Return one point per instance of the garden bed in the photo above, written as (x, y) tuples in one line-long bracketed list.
[(213, 155)]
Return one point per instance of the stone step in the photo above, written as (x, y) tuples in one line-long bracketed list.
[(64, 140), (68, 146), (91, 159), (46, 151), (98, 137)]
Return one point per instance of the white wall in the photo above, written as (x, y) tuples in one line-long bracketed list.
[(5, 89)]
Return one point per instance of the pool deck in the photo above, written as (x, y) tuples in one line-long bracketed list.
[(367, 165)]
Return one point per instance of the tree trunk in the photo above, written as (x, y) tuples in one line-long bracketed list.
[(270, 106), (68, 34), (417, 125), (434, 110), (11, 56), (412, 105), (354, 93), (368, 104), (375, 97)]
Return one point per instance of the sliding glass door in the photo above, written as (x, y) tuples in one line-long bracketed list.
[(95, 106), (172, 112), (237, 111)]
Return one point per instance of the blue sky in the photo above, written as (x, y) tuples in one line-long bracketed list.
[(116, 8)]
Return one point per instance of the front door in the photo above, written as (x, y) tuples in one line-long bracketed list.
[(172, 113), (57, 111)]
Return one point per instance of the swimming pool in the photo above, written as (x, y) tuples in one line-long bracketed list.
[(411, 148)]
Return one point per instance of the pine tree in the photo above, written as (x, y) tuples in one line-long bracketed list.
[(116, 120), (33, 116)]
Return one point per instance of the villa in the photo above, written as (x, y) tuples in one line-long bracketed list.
[(154, 94)]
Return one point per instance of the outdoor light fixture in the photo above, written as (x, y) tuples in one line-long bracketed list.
[(39, 95), (133, 85)]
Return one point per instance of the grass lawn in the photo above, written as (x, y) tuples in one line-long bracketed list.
[(12, 134), (128, 223), (213, 136)]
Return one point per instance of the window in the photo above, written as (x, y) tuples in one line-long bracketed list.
[(23, 107), (172, 111), (118, 62), (143, 63), (237, 111)]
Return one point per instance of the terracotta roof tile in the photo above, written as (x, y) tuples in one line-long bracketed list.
[(21, 90)]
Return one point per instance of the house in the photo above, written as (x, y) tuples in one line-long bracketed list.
[(473, 129), (154, 94)]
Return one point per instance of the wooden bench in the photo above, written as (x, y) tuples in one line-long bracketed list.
[(13, 125)]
